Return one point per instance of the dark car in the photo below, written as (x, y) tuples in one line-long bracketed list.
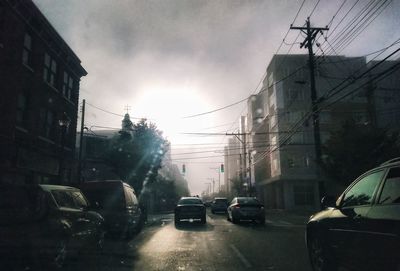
[(190, 208), (116, 201), (41, 225), (219, 205), (246, 208), (361, 229)]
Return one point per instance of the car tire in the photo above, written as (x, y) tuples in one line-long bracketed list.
[(235, 220), (100, 241), (177, 221), (58, 258), (320, 258), (262, 220), (203, 220)]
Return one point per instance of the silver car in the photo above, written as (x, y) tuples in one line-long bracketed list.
[(246, 208)]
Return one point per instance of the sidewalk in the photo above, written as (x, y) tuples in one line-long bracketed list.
[(159, 218)]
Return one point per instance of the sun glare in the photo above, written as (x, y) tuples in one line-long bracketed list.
[(166, 107)]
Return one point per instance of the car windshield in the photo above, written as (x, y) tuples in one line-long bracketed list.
[(200, 134), (189, 201), (107, 197)]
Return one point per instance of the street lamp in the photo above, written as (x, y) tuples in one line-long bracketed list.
[(64, 123)]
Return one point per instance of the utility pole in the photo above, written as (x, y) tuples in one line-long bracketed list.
[(81, 142), (250, 185), (312, 33)]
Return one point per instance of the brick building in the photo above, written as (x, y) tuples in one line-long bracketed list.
[(40, 77)]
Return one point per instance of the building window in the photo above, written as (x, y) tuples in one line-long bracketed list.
[(27, 50), (295, 95), (22, 105), (297, 138), (47, 123), (324, 137), (291, 162), (325, 117), (68, 86), (50, 70), (359, 117), (303, 195)]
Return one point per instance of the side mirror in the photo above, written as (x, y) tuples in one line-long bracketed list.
[(328, 201)]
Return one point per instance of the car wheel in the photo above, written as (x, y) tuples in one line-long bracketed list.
[(177, 221), (262, 220), (203, 220), (60, 253), (319, 256), (234, 219), (100, 241)]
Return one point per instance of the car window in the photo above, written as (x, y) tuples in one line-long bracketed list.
[(135, 200), (248, 201), (362, 192), (80, 201), (391, 188), (128, 197), (190, 201), (63, 198), (108, 197)]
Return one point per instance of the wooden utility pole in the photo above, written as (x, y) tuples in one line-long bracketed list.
[(81, 142), (312, 33)]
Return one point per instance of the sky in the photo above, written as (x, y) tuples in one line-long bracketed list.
[(169, 59)]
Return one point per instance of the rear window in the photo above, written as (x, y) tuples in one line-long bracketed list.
[(225, 201), (107, 196), (248, 201), (190, 201)]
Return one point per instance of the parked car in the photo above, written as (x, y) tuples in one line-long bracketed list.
[(116, 201), (219, 205), (189, 208), (361, 229), (42, 225), (246, 208)]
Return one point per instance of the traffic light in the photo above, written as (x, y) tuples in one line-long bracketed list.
[(222, 168), (183, 168)]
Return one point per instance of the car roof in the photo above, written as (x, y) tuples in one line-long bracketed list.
[(391, 162), (190, 198), (50, 187)]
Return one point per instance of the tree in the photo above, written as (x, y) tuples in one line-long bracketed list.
[(355, 149), (237, 186), (136, 152)]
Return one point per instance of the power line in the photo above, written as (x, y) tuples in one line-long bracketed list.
[(112, 113)]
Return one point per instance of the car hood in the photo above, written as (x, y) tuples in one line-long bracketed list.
[(321, 215)]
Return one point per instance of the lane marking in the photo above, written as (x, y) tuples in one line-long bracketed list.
[(284, 222), (241, 257)]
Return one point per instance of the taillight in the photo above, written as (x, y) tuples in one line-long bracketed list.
[(236, 206)]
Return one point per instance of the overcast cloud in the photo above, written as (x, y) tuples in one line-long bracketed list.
[(215, 51)]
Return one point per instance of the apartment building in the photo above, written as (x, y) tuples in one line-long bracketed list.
[(293, 179), (40, 76)]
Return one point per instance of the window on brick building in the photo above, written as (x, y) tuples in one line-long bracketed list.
[(68, 86), (22, 112), (27, 50), (49, 70), (47, 123)]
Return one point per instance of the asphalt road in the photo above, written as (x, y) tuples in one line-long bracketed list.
[(218, 245)]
